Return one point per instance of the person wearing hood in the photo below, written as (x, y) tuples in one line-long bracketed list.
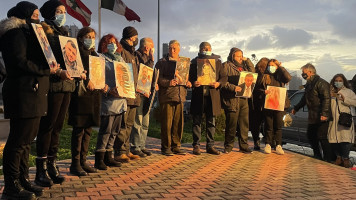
[(61, 87), (122, 142), (278, 76), (24, 94), (236, 108), (206, 99)]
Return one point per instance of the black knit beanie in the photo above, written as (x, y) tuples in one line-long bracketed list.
[(129, 32), (22, 10), (48, 10)]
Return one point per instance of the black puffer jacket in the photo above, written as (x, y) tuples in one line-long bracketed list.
[(317, 98)]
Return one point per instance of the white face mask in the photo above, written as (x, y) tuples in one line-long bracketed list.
[(89, 43), (208, 53), (60, 20), (272, 69)]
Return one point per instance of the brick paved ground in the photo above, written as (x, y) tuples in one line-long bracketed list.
[(227, 176)]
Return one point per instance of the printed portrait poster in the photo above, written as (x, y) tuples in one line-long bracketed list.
[(182, 70), (206, 71), (276, 98), (124, 79), (71, 56), (144, 81), (247, 83), (46, 48), (97, 71)]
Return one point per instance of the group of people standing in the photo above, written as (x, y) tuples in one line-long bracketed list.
[(37, 98)]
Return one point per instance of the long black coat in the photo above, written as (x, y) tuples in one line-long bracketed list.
[(26, 86), (84, 108), (197, 93)]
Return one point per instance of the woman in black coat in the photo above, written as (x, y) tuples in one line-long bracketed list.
[(25, 96)]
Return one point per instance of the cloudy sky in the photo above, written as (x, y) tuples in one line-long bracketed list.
[(322, 32)]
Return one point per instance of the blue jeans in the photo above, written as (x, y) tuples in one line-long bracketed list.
[(140, 128), (109, 127)]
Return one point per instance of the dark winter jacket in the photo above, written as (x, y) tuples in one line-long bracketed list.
[(26, 86), (166, 93), (84, 108), (129, 56), (52, 32), (197, 93), (233, 69), (317, 98)]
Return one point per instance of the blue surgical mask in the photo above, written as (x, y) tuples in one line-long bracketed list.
[(272, 69), (208, 53), (112, 48), (339, 84), (60, 20), (89, 43)]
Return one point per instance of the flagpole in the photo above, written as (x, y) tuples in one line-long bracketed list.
[(99, 18), (158, 42)]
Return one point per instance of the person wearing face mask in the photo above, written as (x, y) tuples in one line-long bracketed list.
[(206, 99), (61, 87), (142, 119), (24, 95), (275, 75), (236, 108), (343, 99), (122, 143), (317, 99)]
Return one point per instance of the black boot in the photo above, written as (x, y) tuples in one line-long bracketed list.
[(99, 161), (42, 177), (14, 190), (76, 169), (257, 145), (53, 171), (25, 183), (109, 160)]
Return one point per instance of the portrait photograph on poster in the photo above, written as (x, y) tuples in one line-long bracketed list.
[(144, 81), (247, 83), (276, 98), (206, 71), (46, 48), (182, 70), (71, 56), (97, 71), (124, 79)]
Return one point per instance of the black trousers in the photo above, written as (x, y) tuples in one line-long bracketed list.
[(341, 149), (47, 142), (273, 126), (80, 143), (317, 138), (17, 149), (210, 124), (122, 141), (255, 121)]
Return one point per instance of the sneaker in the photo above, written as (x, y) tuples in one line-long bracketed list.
[(213, 151), (122, 158), (138, 153), (133, 157), (268, 149), (179, 151), (167, 152), (145, 151), (227, 150), (279, 150), (196, 150), (353, 168), (246, 151)]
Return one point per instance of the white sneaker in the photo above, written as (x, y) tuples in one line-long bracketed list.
[(279, 150), (268, 149)]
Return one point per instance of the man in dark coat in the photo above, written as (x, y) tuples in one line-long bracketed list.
[(236, 108), (317, 99), (171, 99), (25, 96), (206, 99)]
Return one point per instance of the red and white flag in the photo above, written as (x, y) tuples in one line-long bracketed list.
[(120, 8), (78, 10)]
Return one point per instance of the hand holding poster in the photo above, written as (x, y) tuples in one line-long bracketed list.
[(182, 70), (97, 71), (144, 81), (46, 48), (71, 56), (275, 98), (206, 71)]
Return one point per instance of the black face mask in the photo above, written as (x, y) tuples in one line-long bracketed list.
[(135, 43), (35, 21), (305, 76)]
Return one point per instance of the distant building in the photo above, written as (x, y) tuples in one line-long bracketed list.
[(73, 30), (165, 49)]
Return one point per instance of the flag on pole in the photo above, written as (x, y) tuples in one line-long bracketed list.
[(120, 8), (78, 10)]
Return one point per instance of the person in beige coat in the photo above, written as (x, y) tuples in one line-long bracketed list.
[(343, 99)]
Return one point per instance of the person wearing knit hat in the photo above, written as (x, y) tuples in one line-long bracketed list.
[(129, 32), (61, 87), (24, 95)]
